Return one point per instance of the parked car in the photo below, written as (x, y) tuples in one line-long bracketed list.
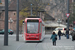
[(63, 30), (57, 29), (1, 31), (9, 31)]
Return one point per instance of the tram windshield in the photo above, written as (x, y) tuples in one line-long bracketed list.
[(32, 27)]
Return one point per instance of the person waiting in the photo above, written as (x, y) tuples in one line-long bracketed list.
[(59, 34)]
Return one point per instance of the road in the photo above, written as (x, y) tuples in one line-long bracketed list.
[(63, 44)]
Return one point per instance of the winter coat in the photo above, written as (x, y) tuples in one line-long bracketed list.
[(73, 34), (59, 33), (67, 32), (53, 37)]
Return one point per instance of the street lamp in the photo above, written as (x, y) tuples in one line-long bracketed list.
[(10, 21), (31, 9)]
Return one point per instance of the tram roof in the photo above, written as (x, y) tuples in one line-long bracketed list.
[(33, 19), (40, 20)]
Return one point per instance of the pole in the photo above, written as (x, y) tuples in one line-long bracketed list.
[(6, 24), (31, 9), (68, 17), (68, 12), (17, 33)]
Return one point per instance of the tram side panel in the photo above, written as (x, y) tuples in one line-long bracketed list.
[(43, 33)]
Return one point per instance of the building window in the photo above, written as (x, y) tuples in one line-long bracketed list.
[(0, 1)]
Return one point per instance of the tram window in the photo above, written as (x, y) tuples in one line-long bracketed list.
[(32, 27)]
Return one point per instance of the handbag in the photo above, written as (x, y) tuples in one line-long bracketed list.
[(56, 37)]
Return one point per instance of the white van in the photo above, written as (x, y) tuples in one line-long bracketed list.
[(63, 30)]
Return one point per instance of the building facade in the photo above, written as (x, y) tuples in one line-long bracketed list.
[(12, 15)]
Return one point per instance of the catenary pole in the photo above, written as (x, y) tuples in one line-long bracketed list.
[(17, 33), (6, 24)]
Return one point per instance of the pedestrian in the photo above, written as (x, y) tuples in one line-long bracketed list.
[(59, 34), (54, 38), (67, 34), (73, 35)]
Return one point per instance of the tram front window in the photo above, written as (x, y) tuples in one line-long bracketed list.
[(32, 27)]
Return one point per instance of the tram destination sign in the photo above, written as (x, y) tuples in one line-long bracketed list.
[(32, 20)]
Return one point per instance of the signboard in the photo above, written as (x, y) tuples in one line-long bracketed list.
[(67, 14)]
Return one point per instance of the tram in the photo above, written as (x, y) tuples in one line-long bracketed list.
[(34, 29)]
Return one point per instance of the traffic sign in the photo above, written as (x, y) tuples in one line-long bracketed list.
[(67, 14)]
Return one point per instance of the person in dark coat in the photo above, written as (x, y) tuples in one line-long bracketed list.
[(67, 34), (73, 35), (53, 37), (59, 34)]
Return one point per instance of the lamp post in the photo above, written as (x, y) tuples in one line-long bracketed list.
[(10, 21), (31, 9)]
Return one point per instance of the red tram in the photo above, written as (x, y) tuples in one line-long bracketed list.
[(34, 29)]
